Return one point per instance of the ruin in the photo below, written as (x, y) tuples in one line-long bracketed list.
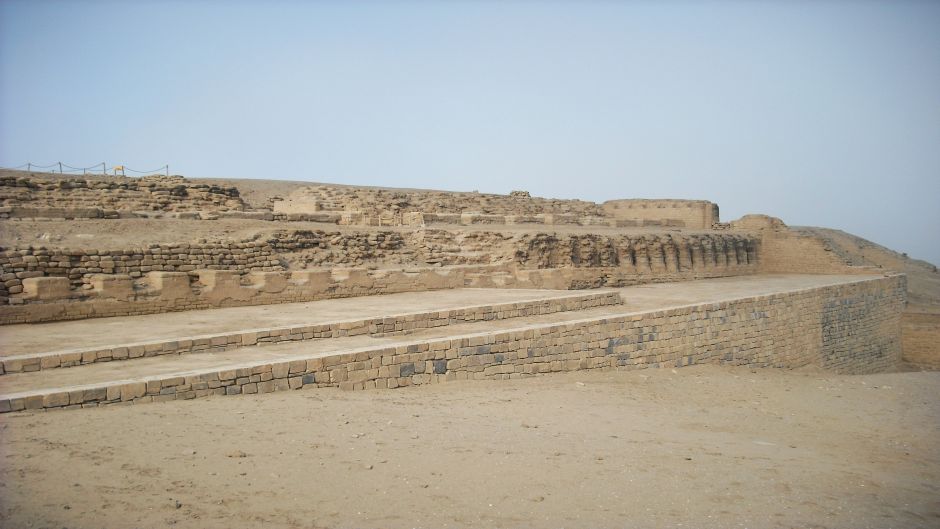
[(308, 285)]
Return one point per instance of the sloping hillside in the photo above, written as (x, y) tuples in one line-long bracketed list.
[(923, 278)]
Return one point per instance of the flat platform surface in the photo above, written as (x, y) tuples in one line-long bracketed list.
[(644, 298), (100, 332)]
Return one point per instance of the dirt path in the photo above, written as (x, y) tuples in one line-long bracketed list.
[(694, 447)]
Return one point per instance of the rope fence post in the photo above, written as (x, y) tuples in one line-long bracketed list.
[(60, 167)]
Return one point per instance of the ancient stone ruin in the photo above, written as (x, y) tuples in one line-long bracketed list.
[(564, 284)]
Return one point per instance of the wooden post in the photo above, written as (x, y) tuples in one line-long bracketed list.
[(60, 167)]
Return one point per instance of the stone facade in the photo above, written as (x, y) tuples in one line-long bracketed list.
[(849, 327), (383, 326)]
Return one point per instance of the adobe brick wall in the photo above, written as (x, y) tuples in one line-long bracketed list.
[(848, 328), (697, 214)]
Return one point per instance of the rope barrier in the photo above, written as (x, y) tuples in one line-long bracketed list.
[(147, 172), (103, 167)]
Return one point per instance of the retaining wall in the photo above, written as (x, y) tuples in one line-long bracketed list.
[(380, 326), (850, 328)]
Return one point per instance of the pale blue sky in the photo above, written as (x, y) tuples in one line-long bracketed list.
[(821, 113)]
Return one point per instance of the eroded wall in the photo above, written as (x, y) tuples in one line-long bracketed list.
[(697, 214)]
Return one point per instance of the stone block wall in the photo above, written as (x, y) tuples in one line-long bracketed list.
[(140, 275), (390, 324), (100, 197), (920, 336), (642, 253), (156, 292), (80, 266), (787, 330)]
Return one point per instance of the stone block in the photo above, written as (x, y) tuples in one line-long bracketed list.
[(113, 286), (269, 282), (312, 281), (170, 285), (46, 288), (221, 285)]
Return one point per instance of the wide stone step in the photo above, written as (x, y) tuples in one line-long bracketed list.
[(373, 315), (789, 321)]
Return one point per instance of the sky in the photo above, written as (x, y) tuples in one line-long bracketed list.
[(821, 113)]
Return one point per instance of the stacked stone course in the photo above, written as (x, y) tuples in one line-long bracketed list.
[(80, 266), (107, 197), (383, 326), (792, 329)]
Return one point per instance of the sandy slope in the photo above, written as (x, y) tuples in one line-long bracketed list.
[(923, 278), (695, 447)]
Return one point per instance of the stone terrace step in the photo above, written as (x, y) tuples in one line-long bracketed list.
[(672, 324), (374, 315)]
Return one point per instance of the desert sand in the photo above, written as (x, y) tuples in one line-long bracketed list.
[(702, 446)]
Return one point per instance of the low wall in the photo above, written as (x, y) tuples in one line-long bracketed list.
[(698, 214), (77, 197), (79, 266), (52, 299), (849, 328), (920, 337), (381, 326)]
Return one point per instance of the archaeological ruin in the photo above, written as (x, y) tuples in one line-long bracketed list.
[(130, 290)]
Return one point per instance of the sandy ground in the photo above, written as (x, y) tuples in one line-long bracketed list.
[(695, 447)]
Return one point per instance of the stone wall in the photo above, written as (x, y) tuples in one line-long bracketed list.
[(920, 334), (643, 253), (106, 197), (371, 201), (52, 299), (696, 214), (80, 266), (510, 260), (390, 324), (788, 330)]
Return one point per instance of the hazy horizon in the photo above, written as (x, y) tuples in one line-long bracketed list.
[(822, 114)]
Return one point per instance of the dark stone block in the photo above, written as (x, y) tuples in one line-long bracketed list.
[(440, 367), (407, 369)]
